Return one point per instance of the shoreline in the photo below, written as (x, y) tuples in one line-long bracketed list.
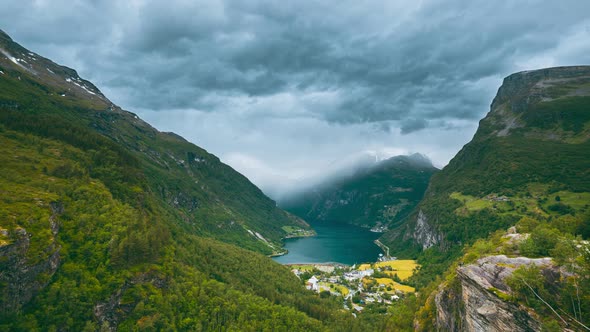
[(383, 247), (333, 264), (310, 234), (278, 254)]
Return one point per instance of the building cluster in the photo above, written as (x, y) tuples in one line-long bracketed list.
[(358, 274), (356, 285)]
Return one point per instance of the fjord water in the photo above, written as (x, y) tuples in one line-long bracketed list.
[(334, 242)]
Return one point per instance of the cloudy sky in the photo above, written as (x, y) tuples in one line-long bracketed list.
[(288, 90)]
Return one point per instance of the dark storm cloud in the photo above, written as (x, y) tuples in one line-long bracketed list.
[(389, 61), (297, 73)]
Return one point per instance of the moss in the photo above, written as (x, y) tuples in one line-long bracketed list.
[(500, 294)]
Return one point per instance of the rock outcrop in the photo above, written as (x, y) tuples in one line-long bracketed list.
[(424, 233), (111, 312), (473, 301), (20, 278)]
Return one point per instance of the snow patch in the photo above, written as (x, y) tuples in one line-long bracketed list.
[(1, 72), (16, 61), (73, 80), (260, 237), (51, 71), (10, 57), (86, 89)]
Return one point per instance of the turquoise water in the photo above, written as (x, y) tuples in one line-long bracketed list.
[(335, 242)]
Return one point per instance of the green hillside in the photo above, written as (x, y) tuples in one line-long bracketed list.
[(106, 223), (527, 166), (534, 145), (378, 196), (42, 98)]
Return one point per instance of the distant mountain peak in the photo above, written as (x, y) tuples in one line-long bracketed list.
[(417, 158), (379, 195)]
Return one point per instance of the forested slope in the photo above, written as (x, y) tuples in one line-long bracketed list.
[(380, 195), (527, 166), (106, 223)]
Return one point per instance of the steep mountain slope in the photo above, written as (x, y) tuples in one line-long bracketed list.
[(213, 200), (378, 196), (527, 166), (106, 223), (532, 147)]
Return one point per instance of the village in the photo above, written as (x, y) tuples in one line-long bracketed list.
[(379, 283)]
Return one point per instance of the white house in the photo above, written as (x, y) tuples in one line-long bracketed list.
[(366, 273), (313, 284), (350, 276)]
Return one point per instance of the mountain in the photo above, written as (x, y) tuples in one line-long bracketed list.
[(211, 198), (530, 148), (107, 223), (379, 195), (502, 231)]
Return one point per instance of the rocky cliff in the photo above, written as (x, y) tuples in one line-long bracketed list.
[(424, 233), (477, 301), (22, 276)]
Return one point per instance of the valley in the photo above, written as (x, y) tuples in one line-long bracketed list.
[(108, 224)]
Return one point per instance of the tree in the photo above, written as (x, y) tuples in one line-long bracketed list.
[(540, 242), (527, 282)]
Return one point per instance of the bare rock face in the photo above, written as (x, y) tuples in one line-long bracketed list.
[(473, 304), (22, 279), (424, 233), (111, 312)]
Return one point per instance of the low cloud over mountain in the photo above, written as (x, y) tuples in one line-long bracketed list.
[(280, 90)]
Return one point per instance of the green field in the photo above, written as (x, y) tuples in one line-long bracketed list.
[(534, 199)]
